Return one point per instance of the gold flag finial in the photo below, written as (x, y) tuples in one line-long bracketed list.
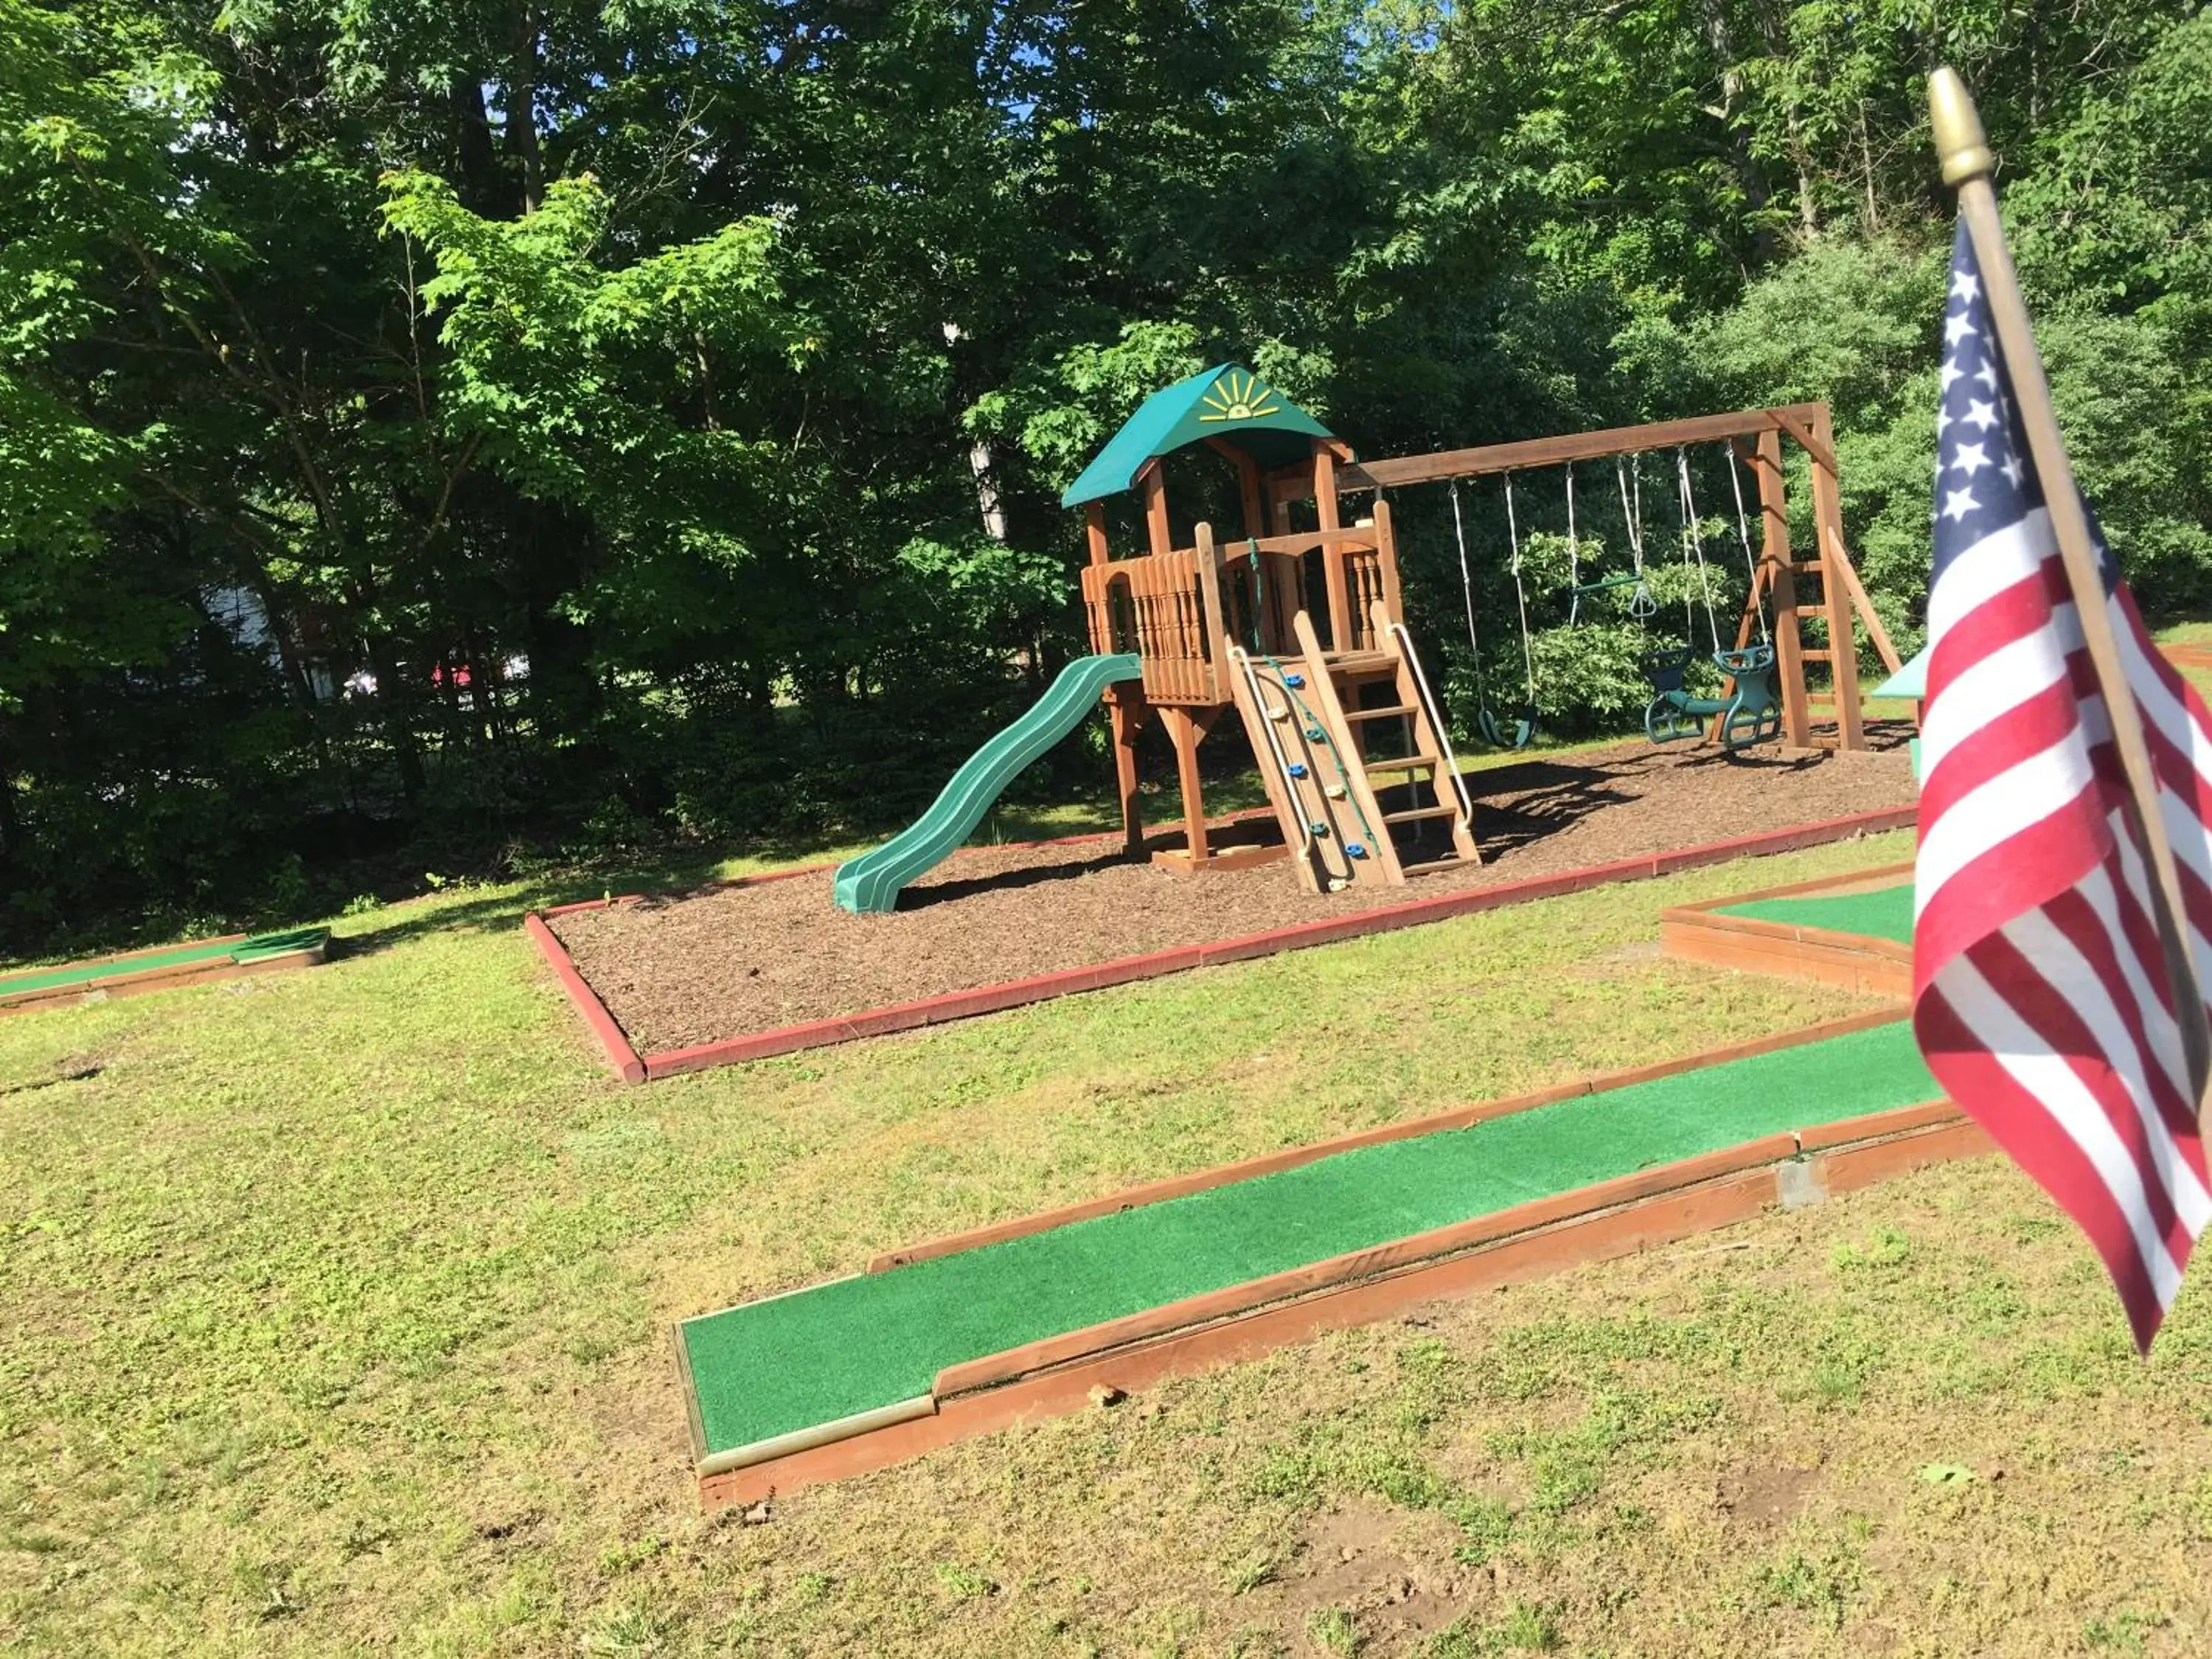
[(1960, 143)]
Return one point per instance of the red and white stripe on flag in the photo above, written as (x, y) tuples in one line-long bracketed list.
[(2040, 999)]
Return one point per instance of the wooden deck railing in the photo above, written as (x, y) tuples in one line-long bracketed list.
[(1158, 607), (1181, 610)]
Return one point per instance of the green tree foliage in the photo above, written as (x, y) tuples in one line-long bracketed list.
[(662, 404)]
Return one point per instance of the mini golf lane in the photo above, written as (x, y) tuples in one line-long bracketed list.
[(1854, 931), (1875, 913), (156, 970), (774, 1376)]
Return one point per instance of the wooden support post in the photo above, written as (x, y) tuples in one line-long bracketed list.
[(1386, 553), (1342, 628), (1126, 707), (1774, 563), (1186, 734), (1843, 644), (1152, 481), (1251, 487), (1094, 531), (1840, 562), (1216, 620)]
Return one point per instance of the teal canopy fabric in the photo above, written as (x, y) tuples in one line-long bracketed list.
[(1227, 401)]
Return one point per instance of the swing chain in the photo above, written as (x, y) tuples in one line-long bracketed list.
[(1467, 587), (1520, 592), (1574, 556), (1743, 535), (1642, 607), (1694, 544)]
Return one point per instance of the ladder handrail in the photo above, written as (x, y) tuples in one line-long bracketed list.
[(1435, 716), (1242, 660)]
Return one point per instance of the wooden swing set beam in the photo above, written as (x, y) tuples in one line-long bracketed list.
[(1800, 421), (1756, 436)]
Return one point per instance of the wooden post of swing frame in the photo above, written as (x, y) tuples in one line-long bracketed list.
[(1781, 579), (1835, 592), (1964, 150)]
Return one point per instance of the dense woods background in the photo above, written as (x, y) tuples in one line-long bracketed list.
[(462, 432)]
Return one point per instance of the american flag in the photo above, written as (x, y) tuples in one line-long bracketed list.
[(2040, 986)]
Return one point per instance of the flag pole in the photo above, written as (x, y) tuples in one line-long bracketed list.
[(1964, 150)]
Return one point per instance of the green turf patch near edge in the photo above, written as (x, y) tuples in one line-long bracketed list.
[(855, 1345), (260, 947), (1885, 913)]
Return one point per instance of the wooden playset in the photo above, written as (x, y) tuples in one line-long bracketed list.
[(1301, 629)]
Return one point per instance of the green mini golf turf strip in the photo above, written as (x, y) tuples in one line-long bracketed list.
[(182, 956), (855, 1344), (262, 946), (1885, 913)]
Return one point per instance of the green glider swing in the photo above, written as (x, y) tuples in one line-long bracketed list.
[(1642, 607), (1752, 712), (1500, 732)]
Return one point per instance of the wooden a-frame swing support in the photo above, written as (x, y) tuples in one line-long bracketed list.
[(1756, 435)]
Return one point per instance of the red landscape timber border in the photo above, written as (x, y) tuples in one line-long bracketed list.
[(205, 971), (1876, 967), (1125, 970), (601, 1024), (1598, 1223)]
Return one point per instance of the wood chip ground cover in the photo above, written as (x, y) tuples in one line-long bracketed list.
[(724, 962)]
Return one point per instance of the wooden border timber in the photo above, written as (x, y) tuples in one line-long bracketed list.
[(1874, 967), (598, 1019), (1595, 1224), (206, 971), (1126, 970), (1462, 1117)]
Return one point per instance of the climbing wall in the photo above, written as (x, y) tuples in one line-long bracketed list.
[(1312, 775), (1317, 729)]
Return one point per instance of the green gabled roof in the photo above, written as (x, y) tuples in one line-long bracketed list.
[(1909, 681), (1227, 401)]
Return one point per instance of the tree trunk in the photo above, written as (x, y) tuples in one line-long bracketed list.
[(395, 700), (522, 112), (479, 185), (11, 826)]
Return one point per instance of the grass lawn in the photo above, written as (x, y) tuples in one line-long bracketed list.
[(337, 1306)]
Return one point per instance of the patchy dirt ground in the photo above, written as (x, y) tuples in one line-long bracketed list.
[(727, 961)]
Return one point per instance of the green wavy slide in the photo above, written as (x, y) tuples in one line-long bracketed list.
[(870, 884)]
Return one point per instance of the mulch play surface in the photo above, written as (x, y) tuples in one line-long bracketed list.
[(727, 961)]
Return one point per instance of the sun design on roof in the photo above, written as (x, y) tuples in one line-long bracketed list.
[(1237, 397)]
